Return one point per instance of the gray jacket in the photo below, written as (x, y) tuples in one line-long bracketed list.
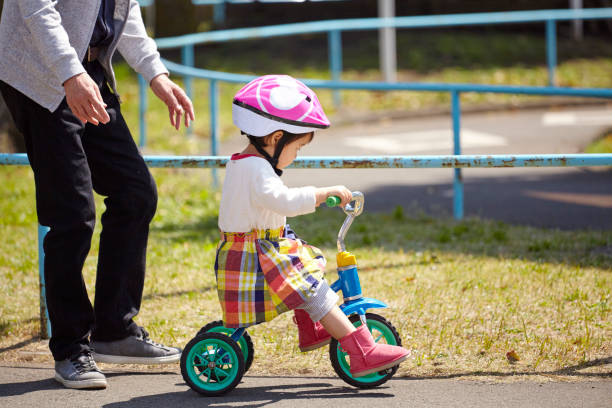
[(42, 44)]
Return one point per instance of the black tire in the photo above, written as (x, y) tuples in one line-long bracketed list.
[(340, 363), (226, 358), (217, 327)]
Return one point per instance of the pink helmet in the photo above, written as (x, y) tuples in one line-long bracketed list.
[(277, 102)]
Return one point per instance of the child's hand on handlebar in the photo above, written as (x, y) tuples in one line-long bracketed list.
[(341, 191)]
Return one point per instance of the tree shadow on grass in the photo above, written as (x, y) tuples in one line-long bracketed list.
[(204, 229), (21, 344), (422, 51), (178, 293)]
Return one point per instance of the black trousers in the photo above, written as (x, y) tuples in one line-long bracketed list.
[(70, 160)]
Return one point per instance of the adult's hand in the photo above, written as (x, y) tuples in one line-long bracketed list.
[(175, 98), (84, 99)]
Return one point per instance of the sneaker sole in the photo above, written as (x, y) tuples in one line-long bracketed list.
[(381, 368), (99, 383), (110, 359)]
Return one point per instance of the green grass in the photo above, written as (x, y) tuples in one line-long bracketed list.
[(603, 144), (461, 294)]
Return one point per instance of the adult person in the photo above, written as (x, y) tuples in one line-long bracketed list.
[(57, 80)]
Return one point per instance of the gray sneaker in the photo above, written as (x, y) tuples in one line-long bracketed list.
[(79, 371), (139, 349)]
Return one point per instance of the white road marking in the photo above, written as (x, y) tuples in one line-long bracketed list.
[(583, 118), (410, 142)]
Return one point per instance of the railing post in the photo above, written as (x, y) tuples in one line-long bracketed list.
[(577, 24), (150, 18), (214, 125), (458, 179), (387, 42), (551, 51), (142, 110), (334, 38), (219, 14), (188, 59), (45, 323)]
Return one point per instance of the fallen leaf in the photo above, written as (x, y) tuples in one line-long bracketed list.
[(512, 356)]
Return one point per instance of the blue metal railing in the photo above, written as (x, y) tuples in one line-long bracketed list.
[(454, 89), (376, 162), (334, 29)]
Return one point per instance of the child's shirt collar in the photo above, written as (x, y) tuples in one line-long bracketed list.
[(238, 156)]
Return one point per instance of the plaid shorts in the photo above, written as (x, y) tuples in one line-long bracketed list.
[(263, 273)]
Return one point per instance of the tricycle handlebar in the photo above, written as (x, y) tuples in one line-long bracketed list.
[(351, 212)]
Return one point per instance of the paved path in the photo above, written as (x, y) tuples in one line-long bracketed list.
[(548, 197), (34, 387)]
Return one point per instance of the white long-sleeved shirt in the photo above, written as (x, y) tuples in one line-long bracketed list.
[(254, 197)]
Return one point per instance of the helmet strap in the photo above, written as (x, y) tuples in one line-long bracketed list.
[(273, 160), (278, 149)]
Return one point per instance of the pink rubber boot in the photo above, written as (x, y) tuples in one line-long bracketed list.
[(311, 334), (367, 356)]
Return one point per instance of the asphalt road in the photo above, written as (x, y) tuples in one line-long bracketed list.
[(35, 387), (565, 198)]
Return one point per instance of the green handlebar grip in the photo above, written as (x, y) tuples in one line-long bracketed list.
[(333, 201)]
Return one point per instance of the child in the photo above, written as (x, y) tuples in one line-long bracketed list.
[(263, 269)]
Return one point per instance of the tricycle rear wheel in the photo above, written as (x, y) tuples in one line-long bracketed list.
[(212, 364), (245, 343)]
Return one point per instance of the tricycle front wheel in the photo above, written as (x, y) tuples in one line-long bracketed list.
[(383, 332)]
